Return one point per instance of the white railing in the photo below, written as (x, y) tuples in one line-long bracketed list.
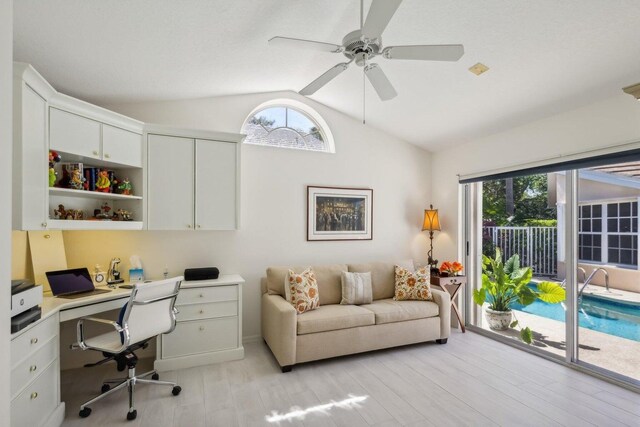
[(536, 246)]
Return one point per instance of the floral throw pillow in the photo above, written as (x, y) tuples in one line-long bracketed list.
[(412, 285), (303, 290)]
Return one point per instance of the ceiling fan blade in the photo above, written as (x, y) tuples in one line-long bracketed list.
[(305, 44), (325, 78), (378, 18), (442, 52), (380, 82)]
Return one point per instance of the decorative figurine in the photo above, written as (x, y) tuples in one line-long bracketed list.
[(60, 213), (104, 214), (125, 187), (123, 215), (54, 157), (68, 214), (103, 184), (76, 181)]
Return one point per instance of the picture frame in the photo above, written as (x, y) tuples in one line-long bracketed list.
[(339, 213)]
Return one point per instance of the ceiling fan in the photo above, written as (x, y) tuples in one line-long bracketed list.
[(361, 46)]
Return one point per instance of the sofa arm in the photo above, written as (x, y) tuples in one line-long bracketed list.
[(279, 328), (443, 299)]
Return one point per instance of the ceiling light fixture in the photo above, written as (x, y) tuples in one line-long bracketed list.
[(633, 90), (478, 69)]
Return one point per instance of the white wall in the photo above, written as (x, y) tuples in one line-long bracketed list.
[(6, 108), (274, 201), (612, 121)]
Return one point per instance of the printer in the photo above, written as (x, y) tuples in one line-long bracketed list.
[(25, 300)]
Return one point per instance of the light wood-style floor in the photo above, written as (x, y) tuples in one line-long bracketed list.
[(471, 380)]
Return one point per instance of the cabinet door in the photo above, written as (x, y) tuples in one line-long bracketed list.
[(121, 146), (31, 172), (74, 134), (216, 185), (170, 183)]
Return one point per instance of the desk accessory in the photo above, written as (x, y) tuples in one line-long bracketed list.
[(113, 276), (206, 273)]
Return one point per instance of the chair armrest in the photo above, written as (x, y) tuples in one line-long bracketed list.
[(443, 299), (279, 328), (81, 333)]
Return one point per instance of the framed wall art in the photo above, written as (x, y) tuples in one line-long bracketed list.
[(336, 213)]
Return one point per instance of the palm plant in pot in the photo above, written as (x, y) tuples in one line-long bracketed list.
[(506, 284)]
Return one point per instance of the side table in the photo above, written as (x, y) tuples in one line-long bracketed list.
[(452, 285)]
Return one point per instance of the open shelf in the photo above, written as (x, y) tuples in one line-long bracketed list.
[(68, 192), (93, 225)]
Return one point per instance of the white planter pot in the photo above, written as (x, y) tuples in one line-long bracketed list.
[(498, 320)]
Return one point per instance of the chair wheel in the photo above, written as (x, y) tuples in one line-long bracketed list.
[(176, 390), (132, 415), (105, 388), (84, 413), (155, 377)]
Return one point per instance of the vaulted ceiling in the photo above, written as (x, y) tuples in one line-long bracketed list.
[(545, 56)]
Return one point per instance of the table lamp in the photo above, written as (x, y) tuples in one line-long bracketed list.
[(431, 223)]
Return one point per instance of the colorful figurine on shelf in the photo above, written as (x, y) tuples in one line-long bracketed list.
[(68, 214), (123, 215), (54, 158), (104, 212), (76, 180), (125, 187), (103, 184)]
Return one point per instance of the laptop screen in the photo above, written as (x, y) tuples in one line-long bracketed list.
[(70, 281)]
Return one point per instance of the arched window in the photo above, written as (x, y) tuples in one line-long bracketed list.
[(288, 124)]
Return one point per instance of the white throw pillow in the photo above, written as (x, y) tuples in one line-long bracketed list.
[(356, 288)]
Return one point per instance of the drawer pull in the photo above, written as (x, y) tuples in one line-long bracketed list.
[(201, 295), (202, 328), (34, 395), (95, 153), (34, 340), (33, 368), (106, 156), (201, 311)]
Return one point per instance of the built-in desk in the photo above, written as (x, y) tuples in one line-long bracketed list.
[(209, 330)]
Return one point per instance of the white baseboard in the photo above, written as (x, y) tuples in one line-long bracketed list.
[(252, 338)]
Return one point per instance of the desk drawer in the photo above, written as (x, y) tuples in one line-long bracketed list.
[(37, 401), (208, 294), (207, 311), (32, 366), (33, 339), (201, 336)]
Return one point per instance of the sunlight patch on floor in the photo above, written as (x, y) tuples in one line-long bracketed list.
[(348, 403)]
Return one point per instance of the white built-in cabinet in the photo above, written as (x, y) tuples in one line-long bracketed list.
[(192, 183), (188, 179)]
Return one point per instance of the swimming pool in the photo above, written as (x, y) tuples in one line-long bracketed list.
[(610, 317)]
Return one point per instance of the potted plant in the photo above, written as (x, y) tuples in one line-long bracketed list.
[(504, 284)]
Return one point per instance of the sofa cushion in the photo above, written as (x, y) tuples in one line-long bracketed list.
[(382, 276), (302, 290), (328, 278), (412, 285), (389, 311), (356, 288), (333, 317)]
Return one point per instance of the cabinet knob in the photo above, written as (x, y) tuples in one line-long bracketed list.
[(33, 368), (106, 155), (44, 225), (47, 236), (202, 328), (34, 340), (34, 395), (198, 226), (95, 153), (188, 225), (201, 295), (201, 311)]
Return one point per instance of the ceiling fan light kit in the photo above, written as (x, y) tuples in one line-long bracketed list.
[(363, 45), (633, 90)]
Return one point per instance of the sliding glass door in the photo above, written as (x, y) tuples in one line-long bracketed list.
[(558, 249)]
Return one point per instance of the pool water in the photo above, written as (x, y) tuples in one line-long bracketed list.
[(613, 318)]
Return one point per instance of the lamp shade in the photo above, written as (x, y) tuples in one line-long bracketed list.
[(431, 220)]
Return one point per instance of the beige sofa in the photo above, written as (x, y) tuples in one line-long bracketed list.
[(336, 330)]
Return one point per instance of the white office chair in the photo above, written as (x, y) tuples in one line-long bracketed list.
[(149, 312)]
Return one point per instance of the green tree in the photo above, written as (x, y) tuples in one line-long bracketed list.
[(262, 121), (529, 198)]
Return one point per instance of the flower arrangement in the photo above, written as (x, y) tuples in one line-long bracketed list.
[(452, 268)]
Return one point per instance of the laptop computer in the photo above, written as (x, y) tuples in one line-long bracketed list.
[(73, 283)]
